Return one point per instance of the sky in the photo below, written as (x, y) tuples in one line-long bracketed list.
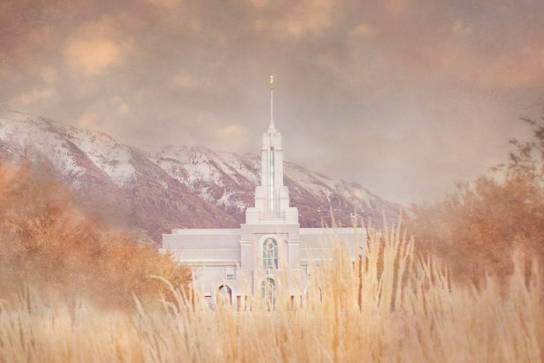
[(406, 97)]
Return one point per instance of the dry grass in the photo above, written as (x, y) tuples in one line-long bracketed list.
[(391, 307)]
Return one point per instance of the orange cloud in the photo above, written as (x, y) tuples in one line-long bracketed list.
[(91, 57), (95, 48)]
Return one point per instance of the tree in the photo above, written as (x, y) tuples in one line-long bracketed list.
[(477, 228)]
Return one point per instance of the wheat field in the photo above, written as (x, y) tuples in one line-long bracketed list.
[(389, 306)]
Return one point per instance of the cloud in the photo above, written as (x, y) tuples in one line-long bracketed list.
[(525, 69), (49, 74), (457, 61), (120, 105), (396, 6), (166, 3), (363, 30), (91, 57), (295, 19), (365, 65), (233, 136), (87, 120), (258, 3), (311, 16), (187, 81), (33, 96), (96, 48)]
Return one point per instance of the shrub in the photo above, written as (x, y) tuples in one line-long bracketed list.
[(47, 241), (476, 229)]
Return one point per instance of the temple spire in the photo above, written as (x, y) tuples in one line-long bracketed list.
[(272, 195), (271, 127)]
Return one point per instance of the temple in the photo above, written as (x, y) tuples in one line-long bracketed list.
[(269, 251)]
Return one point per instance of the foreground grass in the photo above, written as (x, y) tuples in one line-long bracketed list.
[(386, 307)]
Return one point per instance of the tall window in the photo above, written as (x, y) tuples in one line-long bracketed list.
[(270, 254), (268, 291)]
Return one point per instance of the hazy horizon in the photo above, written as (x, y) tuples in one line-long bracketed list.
[(406, 97)]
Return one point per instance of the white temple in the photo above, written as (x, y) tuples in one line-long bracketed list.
[(269, 251)]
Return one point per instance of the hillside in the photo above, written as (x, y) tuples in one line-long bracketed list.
[(172, 186)]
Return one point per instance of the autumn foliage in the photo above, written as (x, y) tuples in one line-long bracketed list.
[(47, 242), (477, 228)]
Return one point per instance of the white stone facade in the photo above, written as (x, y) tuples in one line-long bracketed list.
[(270, 250)]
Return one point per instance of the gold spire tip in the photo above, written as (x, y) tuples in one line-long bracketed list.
[(271, 80)]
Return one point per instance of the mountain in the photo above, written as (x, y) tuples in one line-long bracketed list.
[(172, 186)]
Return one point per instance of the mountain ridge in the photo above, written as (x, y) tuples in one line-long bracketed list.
[(174, 186)]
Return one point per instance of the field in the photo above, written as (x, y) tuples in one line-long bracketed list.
[(388, 306)]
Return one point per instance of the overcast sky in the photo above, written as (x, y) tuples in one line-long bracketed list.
[(406, 97)]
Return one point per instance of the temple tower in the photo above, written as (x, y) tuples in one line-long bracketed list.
[(272, 196)]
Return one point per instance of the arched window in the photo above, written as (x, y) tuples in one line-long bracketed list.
[(268, 290), (225, 294), (270, 254)]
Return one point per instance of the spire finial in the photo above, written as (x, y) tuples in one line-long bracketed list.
[(271, 83)]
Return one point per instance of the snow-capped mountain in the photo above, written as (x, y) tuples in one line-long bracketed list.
[(173, 186)]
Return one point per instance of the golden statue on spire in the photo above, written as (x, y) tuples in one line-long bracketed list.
[(271, 80)]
